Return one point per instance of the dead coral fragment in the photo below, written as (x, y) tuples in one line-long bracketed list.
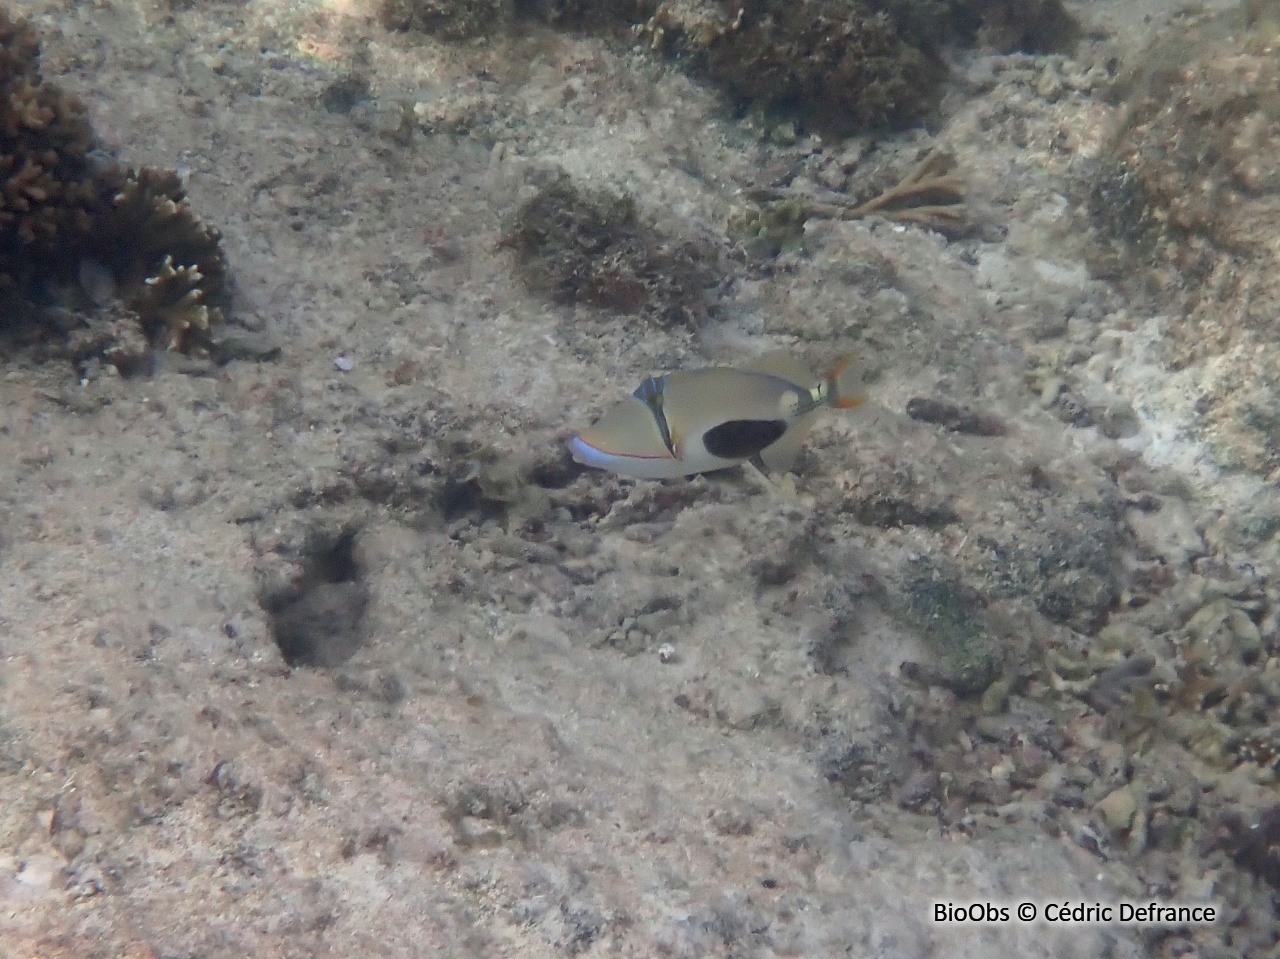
[(592, 247), (952, 620), (317, 619), (1252, 839), (954, 417), (112, 335), (931, 195)]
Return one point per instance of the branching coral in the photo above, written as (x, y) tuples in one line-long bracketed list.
[(62, 205), (174, 269), (46, 188), (171, 306)]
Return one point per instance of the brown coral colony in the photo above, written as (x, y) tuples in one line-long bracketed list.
[(64, 204), (42, 136)]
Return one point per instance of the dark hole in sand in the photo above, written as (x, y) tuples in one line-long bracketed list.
[(556, 472), (458, 498), (319, 620)]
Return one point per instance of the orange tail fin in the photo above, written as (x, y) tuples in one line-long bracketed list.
[(844, 392)]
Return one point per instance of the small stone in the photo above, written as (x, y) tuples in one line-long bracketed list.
[(39, 873), (69, 842), (321, 627), (1049, 85), (919, 789), (852, 155), (784, 134), (666, 653), (831, 176), (61, 318), (1117, 809), (393, 119), (996, 699), (1169, 532), (244, 345), (343, 363)]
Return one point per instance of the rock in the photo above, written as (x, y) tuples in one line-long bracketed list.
[(1118, 809), (1169, 532)]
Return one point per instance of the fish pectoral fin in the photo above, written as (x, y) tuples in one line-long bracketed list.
[(780, 456)]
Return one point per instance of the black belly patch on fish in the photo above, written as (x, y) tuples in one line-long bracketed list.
[(741, 439)]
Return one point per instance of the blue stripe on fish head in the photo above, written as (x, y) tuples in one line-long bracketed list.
[(652, 393)]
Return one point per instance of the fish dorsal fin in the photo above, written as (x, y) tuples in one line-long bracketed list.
[(783, 365)]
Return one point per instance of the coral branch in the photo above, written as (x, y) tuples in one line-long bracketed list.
[(931, 190), (931, 195)]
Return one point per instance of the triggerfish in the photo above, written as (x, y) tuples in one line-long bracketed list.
[(711, 419)]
